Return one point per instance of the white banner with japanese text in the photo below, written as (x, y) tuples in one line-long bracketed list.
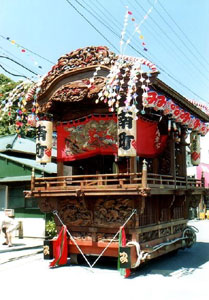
[(43, 141), (126, 132)]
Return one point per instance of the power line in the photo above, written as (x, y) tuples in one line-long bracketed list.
[(11, 68), (168, 74), (182, 32), (109, 15), (160, 68), (13, 73), (156, 59), (173, 43), (100, 18), (194, 55), (6, 52), (90, 24), (6, 57), (8, 39)]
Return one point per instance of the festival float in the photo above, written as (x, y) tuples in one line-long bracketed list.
[(122, 188)]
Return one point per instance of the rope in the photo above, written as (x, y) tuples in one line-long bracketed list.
[(74, 241), (138, 252), (133, 212), (143, 255), (72, 238)]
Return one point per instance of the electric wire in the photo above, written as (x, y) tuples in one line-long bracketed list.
[(6, 57), (8, 39), (173, 43), (100, 18), (90, 23), (185, 36), (6, 52), (11, 68), (171, 28), (160, 68), (111, 29), (169, 75), (16, 75), (152, 57), (176, 80), (108, 15)]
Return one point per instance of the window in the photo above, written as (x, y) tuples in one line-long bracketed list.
[(31, 203), (16, 197)]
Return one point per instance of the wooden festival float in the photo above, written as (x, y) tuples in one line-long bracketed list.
[(121, 155)]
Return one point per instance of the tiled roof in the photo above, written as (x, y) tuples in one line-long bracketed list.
[(50, 168), (18, 144)]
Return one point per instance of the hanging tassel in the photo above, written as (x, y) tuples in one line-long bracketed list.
[(169, 126), (174, 126), (179, 129)]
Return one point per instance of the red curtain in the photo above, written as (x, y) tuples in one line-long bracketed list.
[(85, 138), (97, 135), (150, 142)]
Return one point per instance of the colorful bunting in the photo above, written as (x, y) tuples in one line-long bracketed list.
[(24, 51)]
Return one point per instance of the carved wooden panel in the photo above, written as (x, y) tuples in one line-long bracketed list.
[(73, 212), (113, 213)]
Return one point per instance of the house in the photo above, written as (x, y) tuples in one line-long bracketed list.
[(202, 170), (17, 160)]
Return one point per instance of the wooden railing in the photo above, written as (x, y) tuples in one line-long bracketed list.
[(86, 181), (113, 181)]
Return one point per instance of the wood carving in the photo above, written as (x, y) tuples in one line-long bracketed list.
[(113, 212)]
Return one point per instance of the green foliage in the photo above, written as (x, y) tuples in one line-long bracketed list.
[(7, 123), (51, 230), (10, 121)]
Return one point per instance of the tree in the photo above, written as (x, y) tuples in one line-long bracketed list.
[(7, 124), (13, 115)]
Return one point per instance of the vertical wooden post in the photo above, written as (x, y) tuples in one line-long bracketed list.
[(32, 179), (183, 167), (173, 158), (60, 169), (144, 174), (202, 179), (133, 167)]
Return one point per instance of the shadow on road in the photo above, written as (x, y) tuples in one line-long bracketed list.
[(183, 262)]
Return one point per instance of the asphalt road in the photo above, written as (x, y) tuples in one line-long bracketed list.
[(184, 275)]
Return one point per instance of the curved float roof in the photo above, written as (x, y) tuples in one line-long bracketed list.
[(69, 81)]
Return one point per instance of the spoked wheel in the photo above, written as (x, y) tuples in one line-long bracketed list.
[(190, 237)]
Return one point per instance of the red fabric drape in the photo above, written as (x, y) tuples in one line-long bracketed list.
[(150, 142), (60, 249), (96, 135)]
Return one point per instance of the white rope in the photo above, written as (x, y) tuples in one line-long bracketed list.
[(138, 252), (142, 255), (133, 212), (72, 238)]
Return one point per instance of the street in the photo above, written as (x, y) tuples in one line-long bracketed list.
[(183, 275)]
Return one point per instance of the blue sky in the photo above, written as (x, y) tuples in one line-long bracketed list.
[(175, 34)]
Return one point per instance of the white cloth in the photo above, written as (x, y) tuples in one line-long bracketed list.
[(8, 223)]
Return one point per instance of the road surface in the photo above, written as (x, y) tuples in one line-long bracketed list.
[(184, 275)]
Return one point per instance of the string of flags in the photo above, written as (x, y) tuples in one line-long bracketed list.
[(128, 70), (23, 50), (126, 75), (137, 28)]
